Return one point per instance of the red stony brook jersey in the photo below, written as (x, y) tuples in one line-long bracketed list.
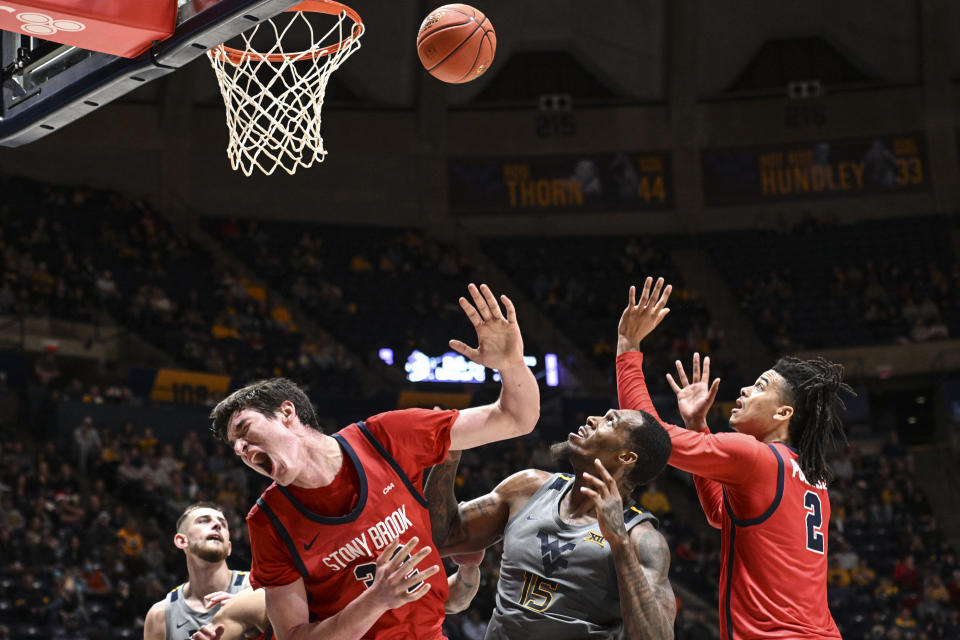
[(337, 555), (786, 597)]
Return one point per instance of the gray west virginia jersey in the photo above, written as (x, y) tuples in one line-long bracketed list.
[(557, 580), (183, 622)]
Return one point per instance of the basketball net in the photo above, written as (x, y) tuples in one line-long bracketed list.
[(273, 98)]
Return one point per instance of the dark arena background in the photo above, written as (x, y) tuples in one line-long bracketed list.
[(791, 168)]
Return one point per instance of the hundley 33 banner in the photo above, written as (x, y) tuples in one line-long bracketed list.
[(825, 168), (561, 183)]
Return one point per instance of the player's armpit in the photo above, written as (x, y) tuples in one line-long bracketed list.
[(155, 624), (710, 493), (480, 522)]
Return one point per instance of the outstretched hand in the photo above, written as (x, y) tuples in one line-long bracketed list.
[(694, 397), (500, 343), (640, 318)]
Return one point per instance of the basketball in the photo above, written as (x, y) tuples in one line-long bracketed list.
[(456, 43)]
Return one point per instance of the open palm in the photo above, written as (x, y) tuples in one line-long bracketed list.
[(696, 395), (499, 341)]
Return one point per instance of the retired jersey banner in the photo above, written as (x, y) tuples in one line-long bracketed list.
[(825, 168), (562, 183)]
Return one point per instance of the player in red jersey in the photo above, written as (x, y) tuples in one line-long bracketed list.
[(324, 534), (764, 486)]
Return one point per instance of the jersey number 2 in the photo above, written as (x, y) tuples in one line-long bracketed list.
[(811, 501)]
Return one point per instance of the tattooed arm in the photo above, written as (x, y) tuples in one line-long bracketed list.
[(641, 559), (474, 525), (646, 597), (441, 498)]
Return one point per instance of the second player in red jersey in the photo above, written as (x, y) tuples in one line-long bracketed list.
[(335, 537), (764, 486), (336, 555)]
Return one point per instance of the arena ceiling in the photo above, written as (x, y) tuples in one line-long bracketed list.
[(618, 51)]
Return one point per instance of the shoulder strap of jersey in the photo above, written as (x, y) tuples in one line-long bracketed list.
[(634, 515), (556, 482), (284, 535), (238, 578), (393, 463)]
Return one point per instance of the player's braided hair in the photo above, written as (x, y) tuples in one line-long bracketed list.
[(813, 390), (263, 396)]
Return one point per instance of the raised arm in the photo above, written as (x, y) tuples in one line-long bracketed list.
[(641, 560), (289, 614), (500, 347), (636, 322), (638, 319), (474, 525), (734, 459)]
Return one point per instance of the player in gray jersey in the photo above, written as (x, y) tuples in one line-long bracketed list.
[(580, 561), (204, 537)]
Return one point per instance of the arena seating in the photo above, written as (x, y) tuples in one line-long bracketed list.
[(371, 287), (581, 283), (91, 256), (824, 285)]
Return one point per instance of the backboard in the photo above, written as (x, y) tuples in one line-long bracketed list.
[(46, 85)]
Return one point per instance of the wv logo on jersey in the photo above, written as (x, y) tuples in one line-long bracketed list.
[(551, 551)]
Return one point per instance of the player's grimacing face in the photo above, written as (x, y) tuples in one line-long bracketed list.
[(208, 535), (758, 404), (263, 443)]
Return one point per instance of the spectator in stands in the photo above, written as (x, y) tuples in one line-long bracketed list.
[(863, 575), (655, 501), (837, 575), (893, 449), (905, 574), (130, 535), (842, 465), (905, 619), (88, 443), (47, 370), (147, 442)]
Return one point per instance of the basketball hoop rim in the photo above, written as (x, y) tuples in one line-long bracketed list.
[(329, 7)]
